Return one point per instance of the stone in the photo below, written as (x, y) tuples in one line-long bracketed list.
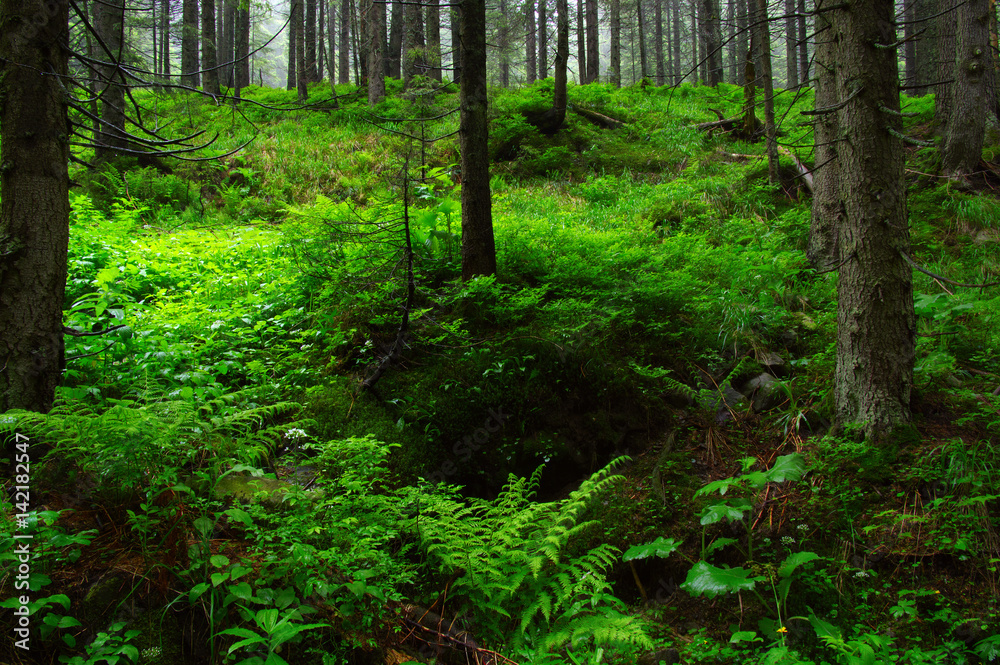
[(668, 656), (766, 392)]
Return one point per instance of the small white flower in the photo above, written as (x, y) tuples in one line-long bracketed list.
[(787, 540), (295, 434), (802, 527)]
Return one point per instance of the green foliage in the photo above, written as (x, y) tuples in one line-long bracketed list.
[(516, 568)]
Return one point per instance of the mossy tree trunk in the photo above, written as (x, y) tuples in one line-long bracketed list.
[(963, 141)]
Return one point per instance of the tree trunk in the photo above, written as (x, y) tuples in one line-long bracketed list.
[(503, 45), (301, 69), (110, 17), (803, 45), (293, 35), (229, 70), (733, 54), (827, 210), (695, 60), (456, 41), (209, 57), (593, 45), (766, 76), (963, 142), (791, 46), (331, 31), (530, 46), (946, 58), (395, 47), (34, 201), (615, 66), (413, 37), (360, 35), (478, 248), (678, 67), (875, 319), (344, 73), (581, 45), (242, 46), (643, 56), (321, 40), (189, 44), (165, 38), (910, 47), (714, 44), (310, 42), (742, 39), (434, 39), (543, 39), (375, 23), (559, 92)]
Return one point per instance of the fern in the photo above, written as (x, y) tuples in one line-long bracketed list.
[(517, 571)]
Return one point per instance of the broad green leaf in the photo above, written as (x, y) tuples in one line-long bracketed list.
[(219, 560), (795, 560), (240, 515), (720, 486), (267, 619), (824, 630), (744, 636), (707, 580), (219, 578), (196, 592), (724, 510), (718, 544), (787, 467), (661, 547)]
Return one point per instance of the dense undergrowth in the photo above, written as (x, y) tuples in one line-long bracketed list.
[(557, 467)]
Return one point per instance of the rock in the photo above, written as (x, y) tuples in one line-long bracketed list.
[(774, 364), (766, 392), (668, 656)]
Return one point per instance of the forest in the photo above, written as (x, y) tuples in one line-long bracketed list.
[(509, 332)]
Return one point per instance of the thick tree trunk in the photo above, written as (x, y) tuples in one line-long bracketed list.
[(165, 37), (910, 46), (711, 24), (414, 62), (110, 17), (395, 47), (375, 23), (643, 56), (963, 142), (321, 40), (433, 39), (209, 56), (310, 42), (543, 39), (530, 46), (560, 89), (478, 248), (803, 45), (875, 318), (581, 44), (294, 20), (678, 66), (733, 54), (242, 54), (827, 210), (742, 38), (229, 39), (456, 41), (189, 44), (344, 73), (503, 45), (593, 46), (301, 71), (791, 46), (34, 201), (946, 23), (695, 43), (615, 64)]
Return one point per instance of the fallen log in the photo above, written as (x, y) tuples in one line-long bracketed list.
[(599, 119)]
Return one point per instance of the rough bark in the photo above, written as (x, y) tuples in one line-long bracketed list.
[(643, 56), (310, 42), (593, 46), (375, 24), (433, 39), (543, 39), (189, 43), (559, 92), (530, 46), (733, 53), (109, 18), (414, 62), (827, 210), (712, 37), (581, 44), (395, 44), (344, 64), (301, 73), (678, 67), (478, 247), (456, 41), (910, 46), (34, 201), (242, 47), (803, 45), (946, 23), (209, 56), (229, 39), (742, 38), (293, 35), (164, 37), (791, 46), (875, 318), (503, 44), (963, 141), (926, 48), (615, 56)]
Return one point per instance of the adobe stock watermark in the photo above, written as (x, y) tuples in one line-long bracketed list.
[(35, 22), (463, 449), (22, 541)]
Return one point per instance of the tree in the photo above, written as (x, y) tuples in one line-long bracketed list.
[(241, 53), (658, 47), (294, 19), (209, 56), (478, 246), (876, 326), (581, 44), (543, 39), (375, 25), (530, 54), (109, 19), (301, 72), (344, 66), (189, 44), (593, 45), (615, 64), (791, 46), (963, 141), (712, 40), (311, 74), (764, 56), (827, 209), (433, 55), (34, 200), (395, 44)]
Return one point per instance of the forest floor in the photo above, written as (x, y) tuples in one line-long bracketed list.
[(617, 450)]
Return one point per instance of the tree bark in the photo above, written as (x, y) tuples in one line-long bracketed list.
[(643, 56), (456, 41), (530, 46), (827, 210), (301, 70), (375, 23), (293, 35), (560, 91), (593, 45), (209, 56), (661, 76), (242, 54), (910, 47), (189, 44), (803, 45), (543, 39), (963, 142), (678, 67), (395, 46), (433, 39), (503, 45), (478, 246), (165, 37), (742, 39), (344, 73), (791, 46), (414, 62), (766, 76), (34, 201), (110, 19), (310, 42), (711, 24), (615, 64), (581, 45), (733, 54), (876, 324), (946, 23)]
